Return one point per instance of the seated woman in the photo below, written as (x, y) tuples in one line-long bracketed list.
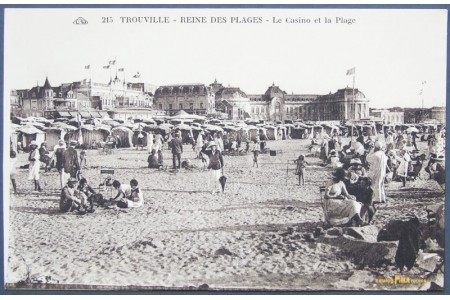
[(341, 208), (86, 193), (128, 195), (334, 160), (153, 160), (356, 170)]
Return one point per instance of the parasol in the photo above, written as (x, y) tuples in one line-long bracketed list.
[(223, 181)]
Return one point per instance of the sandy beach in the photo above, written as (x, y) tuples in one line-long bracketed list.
[(250, 237)]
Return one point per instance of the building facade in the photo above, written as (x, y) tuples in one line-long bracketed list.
[(85, 95), (193, 98), (277, 106), (389, 116)]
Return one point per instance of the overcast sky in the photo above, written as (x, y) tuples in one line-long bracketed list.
[(393, 51)]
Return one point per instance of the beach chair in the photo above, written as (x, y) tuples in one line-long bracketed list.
[(105, 185)]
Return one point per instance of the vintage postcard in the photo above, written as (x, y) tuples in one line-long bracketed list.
[(224, 148)]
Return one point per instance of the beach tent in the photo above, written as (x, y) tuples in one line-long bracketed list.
[(330, 129), (125, 134), (271, 132), (111, 123), (134, 138), (88, 135), (31, 133), (186, 130), (299, 132), (53, 135)]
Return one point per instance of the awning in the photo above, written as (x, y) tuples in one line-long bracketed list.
[(85, 115), (64, 114), (103, 114)]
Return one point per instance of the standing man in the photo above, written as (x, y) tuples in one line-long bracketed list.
[(377, 172), (71, 164), (177, 150), (58, 156)]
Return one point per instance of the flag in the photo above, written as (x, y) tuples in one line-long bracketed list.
[(121, 70), (106, 67), (87, 67), (137, 75), (112, 62), (351, 71)]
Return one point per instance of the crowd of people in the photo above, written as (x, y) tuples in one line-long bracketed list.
[(361, 168)]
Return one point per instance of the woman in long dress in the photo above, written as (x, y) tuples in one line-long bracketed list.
[(339, 206), (35, 164), (199, 144)]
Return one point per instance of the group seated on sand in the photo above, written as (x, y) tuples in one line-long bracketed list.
[(81, 198)]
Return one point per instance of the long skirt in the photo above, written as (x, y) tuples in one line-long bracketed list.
[(214, 184), (33, 170), (340, 212)]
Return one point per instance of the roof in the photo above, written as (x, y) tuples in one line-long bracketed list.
[(230, 92), (47, 84)]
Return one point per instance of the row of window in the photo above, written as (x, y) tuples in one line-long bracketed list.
[(180, 106)]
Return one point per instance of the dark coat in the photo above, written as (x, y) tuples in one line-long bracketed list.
[(177, 146), (215, 160), (70, 161)]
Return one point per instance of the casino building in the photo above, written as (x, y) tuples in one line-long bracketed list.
[(277, 105)]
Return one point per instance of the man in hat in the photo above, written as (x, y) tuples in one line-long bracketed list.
[(177, 150), (69, 200), (71, 165), (377, 171), (215, 166)]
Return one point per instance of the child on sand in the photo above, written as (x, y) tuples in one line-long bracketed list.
[(255, 150), (300, 171)]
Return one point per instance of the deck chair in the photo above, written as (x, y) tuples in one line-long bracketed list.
[(105, 185)]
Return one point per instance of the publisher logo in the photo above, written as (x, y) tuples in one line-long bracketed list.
[(80, 21), (400, 280)]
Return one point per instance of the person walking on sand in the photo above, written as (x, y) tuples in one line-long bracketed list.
[(255, 149), (402, 170), (71, 164), (377, 172), (215, 167), (35, 164), (177, 150), (300, 170)]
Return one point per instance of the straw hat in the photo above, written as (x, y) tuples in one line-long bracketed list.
[(61, 142), (210, 144), (73, 143), (33, 143), (71, 179), (378, 145), (355, 161)]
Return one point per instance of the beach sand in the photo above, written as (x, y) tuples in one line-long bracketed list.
[(184, 236)]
